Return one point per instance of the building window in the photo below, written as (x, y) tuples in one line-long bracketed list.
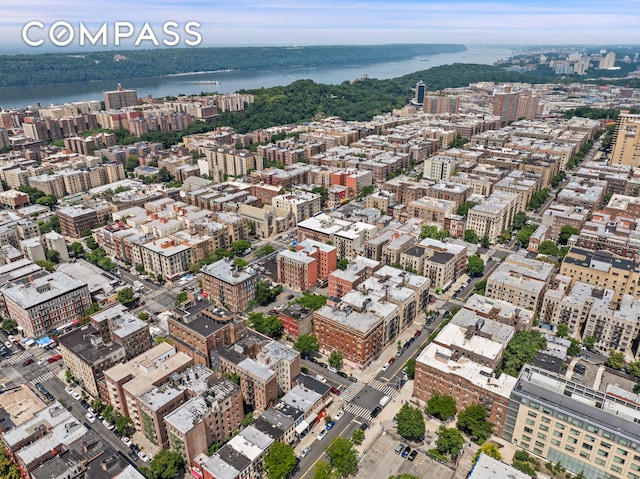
[(557, 433), (570, 448)]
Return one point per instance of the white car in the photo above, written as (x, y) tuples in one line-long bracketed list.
[(322, 434), (305, 451), (321, 379), (338, 416), (143, 456), (108, 425), (8, 344), (90, 417), (41, 361), (11, 338), (68, 389), (76, 396), (385, 367), (127, 441)]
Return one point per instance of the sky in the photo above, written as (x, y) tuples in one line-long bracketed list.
[(331, 22)]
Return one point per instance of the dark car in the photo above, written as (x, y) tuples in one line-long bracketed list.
[(446, 314), (27, 362), (84, 404), (290, 297), (413, 455), (133, 455), (343, 374), (406, 451), (411, 340), (353, 379), (323, 365), (312, 360), (376, 411), (418, 333), (364, 426)]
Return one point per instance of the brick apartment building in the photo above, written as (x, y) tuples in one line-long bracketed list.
[(225, 285)]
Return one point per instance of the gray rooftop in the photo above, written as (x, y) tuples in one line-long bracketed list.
[(41, 290), (226, 271)]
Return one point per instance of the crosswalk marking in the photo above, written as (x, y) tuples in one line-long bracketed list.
[(383, 388), (17, 358), (353, 389), (358, 411), (42, 378)]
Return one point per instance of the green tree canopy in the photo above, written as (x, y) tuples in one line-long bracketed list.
[(522, 349), (411, 368), (473, 421), (335, 360), (240, 246), (343, 457), (632, 368), (464, 208), (240, 263), (589, 342), (524, 235), (312, 301), (357, 436), (441, 407), (520, 220), (323, 470), (490, 450), (9, 325), (91, 243), (563, 330), (132, 163), (449, 441), (265, 293), (50, 266), (475, 265), (279, 461), (165, 464), (306, 343), (76, 249), (410, 422), (264, 251), (343, 264), (615, 360), (548, 247), (47, 200), (433, 232), (470, 236), (266, 324), (124, 425), (566, 232), (125, 297)]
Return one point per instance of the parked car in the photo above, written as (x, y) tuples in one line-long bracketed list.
[(385, 367), (322, 434), (108, 425), (353, 379), (335, 390), (342, 374), (338, 416), (305, 451), (143, 456), (399, 448), (392, 360), (133, 455), (411, 340), (413, 455), (84, 404), (8, 344), (330, 424), (399, 353), (323, 365), (321, 379), (376, 411), (406, 451), (126, 440), (364, 426), (417, 333), (332, 369), (76, 396), (90, 417)]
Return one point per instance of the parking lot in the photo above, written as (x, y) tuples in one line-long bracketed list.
[(379, 461)]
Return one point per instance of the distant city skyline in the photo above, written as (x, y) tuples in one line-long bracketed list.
[(333, 22)]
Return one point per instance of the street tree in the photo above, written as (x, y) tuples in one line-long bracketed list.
[(519, 220), (589, 342), (473, 421), (411, 368), (323, 470), (335, 360), (9, 325), (306, 343), (475, 265), (470, 236), (441, 407), (634, 369), (279, 461), (410, 422), (125, 297), (357, 436), (343, 457), (240, 246), (76, 249), (165, 464), (449, 441)]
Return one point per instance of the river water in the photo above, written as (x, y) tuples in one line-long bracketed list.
[(15, 97)]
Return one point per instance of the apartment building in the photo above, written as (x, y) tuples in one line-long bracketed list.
[(584, 193), (462, 361), (500, 311), (296, 270), (620, 236), (626, 139), (440, 167), (120, 98), (393, 249), (296, 320), (166, 257), (493, 216), (589, 429), (558, 215), (324, 254), (258, 383), (12, 199), (357, 335), (343, 281), (432, 211), (302, 204), (520, 281), (43, 302), (208, 418), (199, 336), (450, 192), (74, 220), (226, 286), (321, 228), (604, 270)]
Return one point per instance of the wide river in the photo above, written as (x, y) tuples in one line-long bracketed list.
[(229, 82)]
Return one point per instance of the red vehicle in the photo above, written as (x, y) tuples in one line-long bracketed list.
[(53, 359), (418, 333), (391, 361), (335, 390), (27, 362)]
